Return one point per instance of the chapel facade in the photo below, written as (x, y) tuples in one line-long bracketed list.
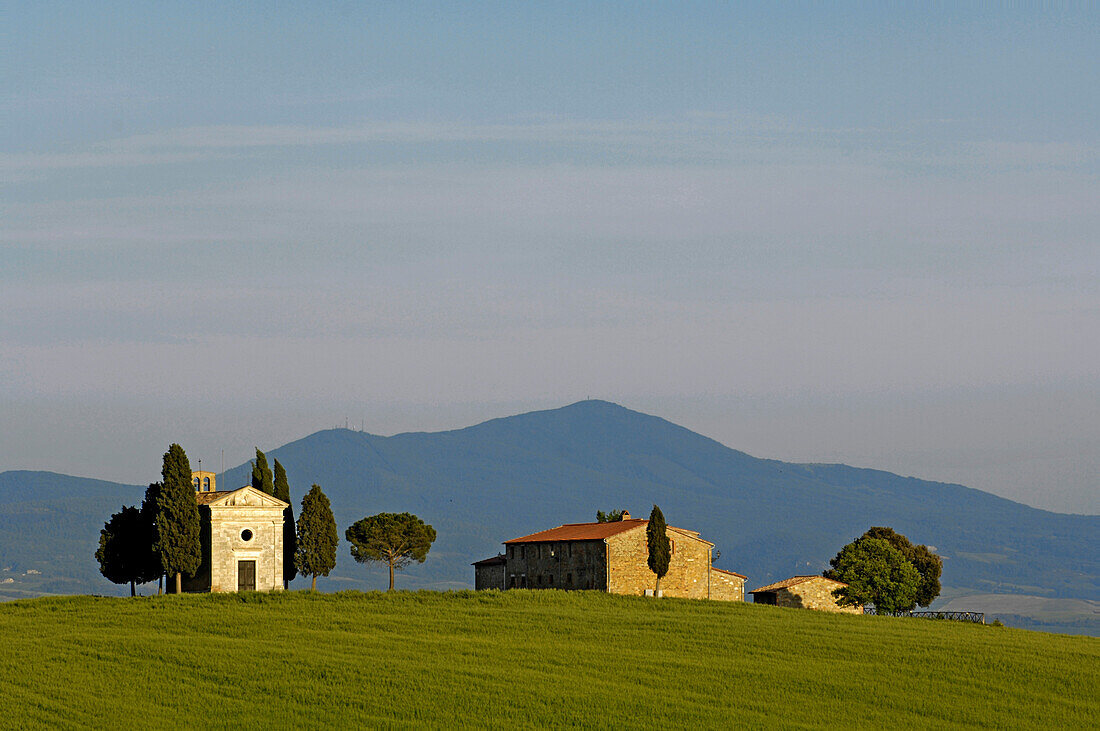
[(242, 539)]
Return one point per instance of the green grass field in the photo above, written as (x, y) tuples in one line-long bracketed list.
[(526, 659)]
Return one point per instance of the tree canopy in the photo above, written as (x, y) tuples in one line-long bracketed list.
[(660, 550), (317, 538), (611, 516), (262, 479), (396, 539), (125, 553), (177, 517), (927, 564), (875, 573)]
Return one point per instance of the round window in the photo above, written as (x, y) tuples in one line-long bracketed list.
[(246, 535)]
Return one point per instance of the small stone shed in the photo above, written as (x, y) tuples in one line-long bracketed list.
[(806, 592), (489, 572)]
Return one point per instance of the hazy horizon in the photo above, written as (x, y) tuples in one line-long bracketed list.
[(828, 234)]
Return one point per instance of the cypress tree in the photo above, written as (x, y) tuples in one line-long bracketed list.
[(178, 539), (659, 549), (282, 492), (280, 486), (317, 537), (149, 516), (261, 474)]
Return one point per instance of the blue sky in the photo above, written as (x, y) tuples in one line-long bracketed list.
[(849, 233)]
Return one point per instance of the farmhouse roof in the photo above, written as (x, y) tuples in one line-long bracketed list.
[(731, 573), (581, 531), (491, 561), (594, 532), (794, 581)]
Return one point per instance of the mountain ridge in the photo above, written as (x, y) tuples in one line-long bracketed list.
[(488, 482)]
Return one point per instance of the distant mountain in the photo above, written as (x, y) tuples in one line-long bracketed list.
[(507, 477)]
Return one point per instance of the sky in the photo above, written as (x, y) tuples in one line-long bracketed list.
[(831, 233)]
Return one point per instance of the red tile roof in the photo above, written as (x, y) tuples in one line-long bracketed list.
[(723, 571), (581, 532), (793, 581), (596, 532)]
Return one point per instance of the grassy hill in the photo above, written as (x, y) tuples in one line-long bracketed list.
[(523, 659)]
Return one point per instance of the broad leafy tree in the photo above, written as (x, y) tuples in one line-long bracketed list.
[(876, 573), (611, 516), (262, 479), (282, 492), (660, 549), (125, 549), (927, 564), (317, 537), (177, 518), (395, 539)]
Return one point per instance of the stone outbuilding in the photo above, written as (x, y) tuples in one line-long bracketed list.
[(807, 592), (242, 541), (609, 557), (489, 573)]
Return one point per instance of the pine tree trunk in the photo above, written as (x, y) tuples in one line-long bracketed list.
[(179, 583), (391, 576), (160, 585), (658, 587), (132, 592), (313, 586)]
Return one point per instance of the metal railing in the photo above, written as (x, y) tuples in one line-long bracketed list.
[(977, 617)]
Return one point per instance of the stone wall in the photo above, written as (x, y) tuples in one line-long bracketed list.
[(815, 593), (725, 586), (559, 565), (688, 568)]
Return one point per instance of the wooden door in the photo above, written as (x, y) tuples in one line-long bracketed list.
[(246, 576)]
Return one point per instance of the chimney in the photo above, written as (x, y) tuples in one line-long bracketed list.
[(626, 515)]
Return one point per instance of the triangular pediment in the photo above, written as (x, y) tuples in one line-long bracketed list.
[(248, 496)]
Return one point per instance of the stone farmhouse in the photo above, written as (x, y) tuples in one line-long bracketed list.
[(242, 539), (808, 592), (609, 557)]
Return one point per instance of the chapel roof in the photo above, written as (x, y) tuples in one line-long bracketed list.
[(205, 498)]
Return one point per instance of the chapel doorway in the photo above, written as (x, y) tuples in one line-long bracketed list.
[(246, 576)]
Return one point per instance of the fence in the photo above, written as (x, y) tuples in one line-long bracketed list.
[(977, 617)]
